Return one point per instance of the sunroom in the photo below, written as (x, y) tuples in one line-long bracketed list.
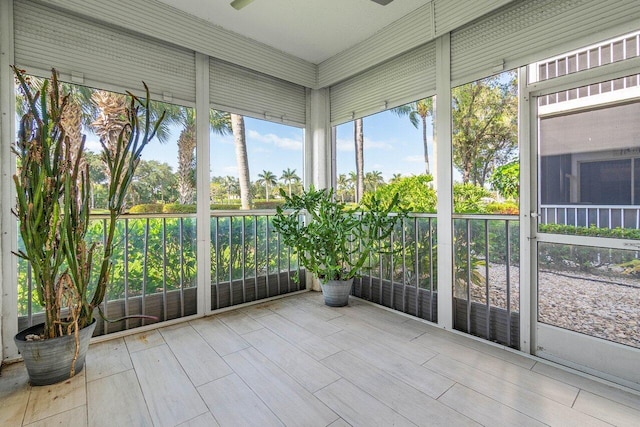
[(508, 298)]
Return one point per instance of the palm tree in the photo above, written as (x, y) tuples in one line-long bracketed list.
[(267, 178), (186, 158), (418, 112), (373, 179), (231, 185), (395, 177), (218, 123), (344, 186), (240, 141), (353, 181), (358, 138), (289, 177)]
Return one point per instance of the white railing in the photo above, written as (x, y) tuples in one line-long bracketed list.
[(601, 216)]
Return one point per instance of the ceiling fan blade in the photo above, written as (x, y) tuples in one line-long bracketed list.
[(239, 4), (382, 2)]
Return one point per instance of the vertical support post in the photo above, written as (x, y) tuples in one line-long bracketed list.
[(444, 181), (527, 203), (8, 228), (203, 217), (318, 149)]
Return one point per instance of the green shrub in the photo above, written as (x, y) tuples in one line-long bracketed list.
[(618, 233), (416, 193), (503, 208), (146, 208), (467, 198), (177, 208), (224, 207), (271, 204)]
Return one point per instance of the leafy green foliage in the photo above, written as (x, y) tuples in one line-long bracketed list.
[(618, 233), (177, 208), (146, 208), (415, 194), (334, 242), (467, 198), (506, 180), (485, 126)]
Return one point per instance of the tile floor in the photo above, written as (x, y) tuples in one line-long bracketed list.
[(296, 362)]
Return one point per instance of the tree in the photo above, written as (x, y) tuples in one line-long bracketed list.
[(153, 182), (344, 186), (373, 179), (186, 175), (358, 139), (231, 186), (418, 112), (239, 139), (267, 178), (506, 180), (289, 177), (485, 128), (395, 177)]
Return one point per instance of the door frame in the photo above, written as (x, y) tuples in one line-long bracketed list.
[(589, 354)]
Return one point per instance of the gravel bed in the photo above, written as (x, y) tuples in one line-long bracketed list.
[(605, 306)]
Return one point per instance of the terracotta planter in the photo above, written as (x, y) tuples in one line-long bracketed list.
[(49, 361), (336, 292)]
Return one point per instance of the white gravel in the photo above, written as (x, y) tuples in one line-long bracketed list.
[(598, 305)]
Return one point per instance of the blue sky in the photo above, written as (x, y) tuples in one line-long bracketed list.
[(392, 145)]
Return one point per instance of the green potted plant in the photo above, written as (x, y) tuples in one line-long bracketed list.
[(334, 242), (53, 205)]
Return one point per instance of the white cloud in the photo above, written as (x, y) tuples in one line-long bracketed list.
[(414, 159), (276, 141)]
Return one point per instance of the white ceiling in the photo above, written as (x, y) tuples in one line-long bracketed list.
[(313, 30)]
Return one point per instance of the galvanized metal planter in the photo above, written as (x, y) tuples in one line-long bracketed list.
[(49, 361), (336, 292)]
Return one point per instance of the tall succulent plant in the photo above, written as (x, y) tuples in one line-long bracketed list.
[(53, 202)]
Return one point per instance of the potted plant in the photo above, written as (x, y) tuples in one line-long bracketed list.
[(333, 242), (53, 205)]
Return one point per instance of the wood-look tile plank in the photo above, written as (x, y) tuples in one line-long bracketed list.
[(529, 403), (585, 382), (358, 408), (485, 347), (143, 341), (219, 336), (107, 358), (396, 394), (315, 346), (339, 423), (14, 394), (117, 400), (233, 403), (306, 370), (170, 395), (201, 363), (410, 350), (45, 401), (308, 321), (76, 417), (240, 322), (532, 381), (204, 420), (293, 405), (414, 374), (316, 309), (607, 410), (484, 410)]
